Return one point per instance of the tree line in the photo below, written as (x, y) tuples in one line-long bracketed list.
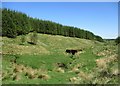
[(117, 40), (16, 23)]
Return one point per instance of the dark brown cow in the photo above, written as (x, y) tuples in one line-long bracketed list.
[(72, 51)]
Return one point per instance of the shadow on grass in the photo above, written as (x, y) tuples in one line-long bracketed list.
[(31, 43)]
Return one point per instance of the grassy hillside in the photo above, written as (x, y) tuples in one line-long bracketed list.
[(47, 62), (46, 44)]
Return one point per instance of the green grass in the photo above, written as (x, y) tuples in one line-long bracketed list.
[(49, 51), (39, 61), (45, 45)]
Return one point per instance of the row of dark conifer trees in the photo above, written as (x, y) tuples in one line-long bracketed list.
[(16, 23)]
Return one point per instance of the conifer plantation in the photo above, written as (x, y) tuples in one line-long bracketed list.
[(16, 23)]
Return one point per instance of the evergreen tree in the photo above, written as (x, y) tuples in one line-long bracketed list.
[(98, 38), (16, 23)]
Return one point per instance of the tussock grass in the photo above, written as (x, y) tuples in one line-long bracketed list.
[(60, 70), (96, 64), (17, 77), (44, 76), (84, 75)]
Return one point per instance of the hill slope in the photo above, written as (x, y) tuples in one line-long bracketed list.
[(45, 44), (47, 62)]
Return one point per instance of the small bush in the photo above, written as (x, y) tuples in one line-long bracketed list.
[(34, 38), (23, 39)]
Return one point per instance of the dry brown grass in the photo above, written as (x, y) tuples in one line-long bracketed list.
[(84, 75), (4, 75), (73, 79), (60, 70), (31, 73), (101, 63), (44, 76), (21, 49), (79, 52), (18, 68), (104, 53), (81, 78), (112, 58), (28, 71), (76, 68), (115, 71), (17, 77)]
